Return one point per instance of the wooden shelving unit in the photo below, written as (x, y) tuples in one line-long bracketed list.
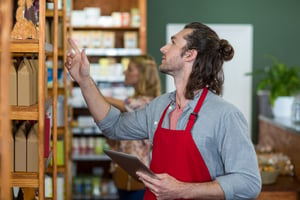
[(5, 160), (54, 106), (67, 111), (41, 49), (25, 179), (29, 46), (35, 112), (60, 132), (109, 6), (86, 162)]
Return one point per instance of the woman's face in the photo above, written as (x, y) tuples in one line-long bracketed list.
[(131, 74)]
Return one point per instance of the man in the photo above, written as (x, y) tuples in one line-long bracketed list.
[(201, 145)]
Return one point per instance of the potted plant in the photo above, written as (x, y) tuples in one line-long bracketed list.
[(282, 82)]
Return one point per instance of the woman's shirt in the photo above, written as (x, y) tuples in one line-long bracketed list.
[(140, 148)]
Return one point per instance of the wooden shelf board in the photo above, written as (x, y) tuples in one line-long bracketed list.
[(50, 13), (113, 51), (24, 179), (60, 90), (60, 169), (24, 112), (103, 197), (61, 52), (28, 46), (60, 131), (120, 28), (87, 157)]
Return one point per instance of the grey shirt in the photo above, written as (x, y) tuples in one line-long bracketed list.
[(220, 133)]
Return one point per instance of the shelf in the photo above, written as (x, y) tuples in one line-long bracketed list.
[(90, 197), (60, 90), (50, 13), (80, 111), (61, 52), (92, 131), (24, 112), (88, 135), (28, 46), (24, 179), (85, 162), (60, 169), (113, 28), (60, 131), (113, 52), (85, 157), (109, 79)]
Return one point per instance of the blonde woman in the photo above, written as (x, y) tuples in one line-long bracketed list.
[(142, 74)]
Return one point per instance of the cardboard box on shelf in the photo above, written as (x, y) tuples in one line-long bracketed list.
[(31, 81), (20, 147), (24, 84), (13, 85), (32, 149), (34, 63)]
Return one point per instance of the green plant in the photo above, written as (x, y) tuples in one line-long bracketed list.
[(279, 79)]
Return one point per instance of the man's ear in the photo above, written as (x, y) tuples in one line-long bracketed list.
[(190, 54)]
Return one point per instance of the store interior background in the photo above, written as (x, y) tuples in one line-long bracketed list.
[(276, 29)]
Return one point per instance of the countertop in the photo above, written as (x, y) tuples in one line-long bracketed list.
[(285, 123)]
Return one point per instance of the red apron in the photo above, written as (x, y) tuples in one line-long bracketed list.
[(175, 152)]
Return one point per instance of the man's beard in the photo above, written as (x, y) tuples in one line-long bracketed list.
[(164, 69)]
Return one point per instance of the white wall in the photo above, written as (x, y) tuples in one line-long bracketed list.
[(237, 86)]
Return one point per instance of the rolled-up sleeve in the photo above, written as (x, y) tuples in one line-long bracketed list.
[(241, 179)]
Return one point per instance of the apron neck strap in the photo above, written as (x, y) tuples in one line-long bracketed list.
[(194, 114)]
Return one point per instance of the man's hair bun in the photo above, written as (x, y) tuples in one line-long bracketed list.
[(226, 50)]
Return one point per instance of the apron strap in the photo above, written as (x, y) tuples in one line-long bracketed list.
[(194, 114), (163, 116)]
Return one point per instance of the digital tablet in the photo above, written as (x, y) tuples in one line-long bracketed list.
[(130, 163)]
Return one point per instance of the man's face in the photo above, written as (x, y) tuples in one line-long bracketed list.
[(172, 60)]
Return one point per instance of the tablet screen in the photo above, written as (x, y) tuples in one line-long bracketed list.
[(130, 163)]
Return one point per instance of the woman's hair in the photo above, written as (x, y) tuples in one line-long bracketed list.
[(149, 82), (212, 52)]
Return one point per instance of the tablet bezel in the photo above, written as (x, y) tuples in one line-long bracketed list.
[(130, 163)]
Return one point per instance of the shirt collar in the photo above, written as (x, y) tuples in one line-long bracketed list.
[(191, 104)]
